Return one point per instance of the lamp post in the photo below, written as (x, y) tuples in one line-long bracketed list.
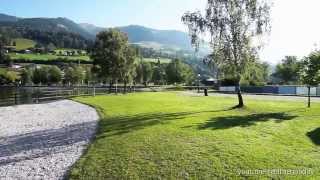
[(199, 76)]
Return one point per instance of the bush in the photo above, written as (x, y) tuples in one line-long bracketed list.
[(8, 77), (54, 75)]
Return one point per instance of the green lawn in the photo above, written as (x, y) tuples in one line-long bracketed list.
[(46, 57), (174, 136)]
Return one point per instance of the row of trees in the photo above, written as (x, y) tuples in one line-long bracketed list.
[(176, 72), (4, 58), (117, 62), (145, 73), (49, 75), (291, 70), (58, 38)]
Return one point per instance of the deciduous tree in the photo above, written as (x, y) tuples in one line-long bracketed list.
[(232, 25), (310, 72)]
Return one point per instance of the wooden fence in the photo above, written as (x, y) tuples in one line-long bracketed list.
[(46, 94)]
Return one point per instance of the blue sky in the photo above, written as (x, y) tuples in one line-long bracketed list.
[(295, 27), (161, 14)]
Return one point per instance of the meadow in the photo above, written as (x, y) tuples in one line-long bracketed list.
[(22, 44), (175, 136), (46, 57), (50, 57)]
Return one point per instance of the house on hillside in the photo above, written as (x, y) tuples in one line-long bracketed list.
[(39, 50), (9, 49), (210, 82), (27, 51), (15, 67)]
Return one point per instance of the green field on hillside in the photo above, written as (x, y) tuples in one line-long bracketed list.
[(162, 60), (46, 57), (175, 136), (22, 44)]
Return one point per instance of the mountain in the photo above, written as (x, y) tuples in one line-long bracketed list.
[(53, 27), (150, 37), (45, 24), (59, 32), (92, 29), (7, 18)]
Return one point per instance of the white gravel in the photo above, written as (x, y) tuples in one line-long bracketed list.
[(43, 141)]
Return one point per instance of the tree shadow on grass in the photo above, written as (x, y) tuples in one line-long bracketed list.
[(314, 136), (111, 126), (226, 122)]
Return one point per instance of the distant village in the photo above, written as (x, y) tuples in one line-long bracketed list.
[(11, 49)]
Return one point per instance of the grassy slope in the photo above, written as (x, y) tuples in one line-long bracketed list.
[(46, 57), (171, 136), (162, 60), (24, 43)]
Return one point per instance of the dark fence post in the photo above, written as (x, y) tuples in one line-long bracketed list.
[(15, 98), (206, 92), (309, 96)]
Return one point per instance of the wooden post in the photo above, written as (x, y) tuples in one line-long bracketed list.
[(94, 91)]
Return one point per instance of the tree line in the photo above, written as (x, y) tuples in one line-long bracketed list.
[(116, 61), (144, 73), (45, 38)]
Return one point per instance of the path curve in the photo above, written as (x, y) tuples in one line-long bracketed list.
[(43, 141)]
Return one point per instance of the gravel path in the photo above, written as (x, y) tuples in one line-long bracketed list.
[(43, 141)]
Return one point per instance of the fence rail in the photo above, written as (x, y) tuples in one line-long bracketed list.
[(275, 90), (30, 95)]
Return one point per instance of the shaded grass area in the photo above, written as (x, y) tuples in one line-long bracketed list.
[(172, 136)]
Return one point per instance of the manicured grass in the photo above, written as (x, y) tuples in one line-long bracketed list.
[(22, 44), (46, 57), (173, 136)]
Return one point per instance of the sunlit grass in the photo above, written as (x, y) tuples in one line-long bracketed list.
[(173, 136)]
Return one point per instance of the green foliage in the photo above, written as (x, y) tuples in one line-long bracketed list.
[(287, 72), (256, 74), (159, 74), (178, 72), (128, 71), (4, 58), (146, 72), (113, 55), (45, 31), (232, 25), (90, 76), (74, 75), (174, 136), (310, 71), (54, 75), (26, 76), (40, 75), (8, 77)]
